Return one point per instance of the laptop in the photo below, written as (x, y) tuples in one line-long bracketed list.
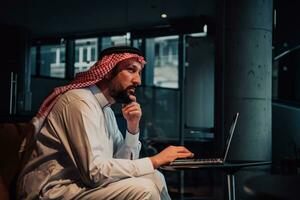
[(210, 161)]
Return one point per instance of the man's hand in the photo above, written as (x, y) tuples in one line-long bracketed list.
[(132, 113), (169, 154)]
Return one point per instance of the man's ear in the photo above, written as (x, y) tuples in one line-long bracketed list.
[(108, 76)]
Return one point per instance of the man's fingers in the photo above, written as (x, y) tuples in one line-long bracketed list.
[(183, 149), (132, 109), (183, 152), (132, 98), (185, 155), (131, 105), (133, 113)]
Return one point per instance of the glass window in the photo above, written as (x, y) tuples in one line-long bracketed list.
[(157, 104), (53, 60), (86, 54), (137, 43), (32, 60), (119, 40), (285, 81), (164, 53)]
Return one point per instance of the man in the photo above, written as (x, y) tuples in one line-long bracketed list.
[(79, 152)]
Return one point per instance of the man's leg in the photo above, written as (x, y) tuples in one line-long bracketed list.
[(149, 187), (159, 180), (130, 188)]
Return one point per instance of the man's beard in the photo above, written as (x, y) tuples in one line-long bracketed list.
[(122, 96)]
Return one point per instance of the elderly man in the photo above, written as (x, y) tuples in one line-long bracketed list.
[(79, 152)]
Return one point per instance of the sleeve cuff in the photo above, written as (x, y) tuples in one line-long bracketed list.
[(145, 166), (132, 140)]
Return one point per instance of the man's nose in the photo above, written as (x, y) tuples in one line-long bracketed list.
[(137, 79)]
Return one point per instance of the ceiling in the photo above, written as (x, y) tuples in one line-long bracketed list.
[(67, 17)]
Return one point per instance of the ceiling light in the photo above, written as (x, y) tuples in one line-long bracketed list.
[(163, 15)]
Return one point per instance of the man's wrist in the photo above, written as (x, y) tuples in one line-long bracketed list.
[(154, 162), (133, 132), (132, 140), (133, 129)]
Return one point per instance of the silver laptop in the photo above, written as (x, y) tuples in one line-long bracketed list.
[(210, 161)]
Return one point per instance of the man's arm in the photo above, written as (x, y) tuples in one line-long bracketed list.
[(170, 154), (87, 143), (128, 148), (132, 113)]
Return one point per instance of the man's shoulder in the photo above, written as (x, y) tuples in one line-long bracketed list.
[(76, 99), (78, 94)]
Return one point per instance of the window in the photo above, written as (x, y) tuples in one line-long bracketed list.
[(285, 81), (86, 54), (53, 60), (115, 41), (33, 60), (164, 52), (160, 113), (158, 102), (137, 43)]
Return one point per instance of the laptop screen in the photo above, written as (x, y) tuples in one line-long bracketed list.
[(231, 131)]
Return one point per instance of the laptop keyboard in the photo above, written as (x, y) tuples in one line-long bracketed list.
[(205, 161)]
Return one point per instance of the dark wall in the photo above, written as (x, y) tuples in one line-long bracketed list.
[(14, 76)]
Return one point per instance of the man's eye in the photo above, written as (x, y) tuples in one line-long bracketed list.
[(130, 70)]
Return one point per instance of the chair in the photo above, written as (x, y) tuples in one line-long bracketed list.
[(12, 137)]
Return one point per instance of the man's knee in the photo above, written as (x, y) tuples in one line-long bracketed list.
[(145, 189), (160, 175)]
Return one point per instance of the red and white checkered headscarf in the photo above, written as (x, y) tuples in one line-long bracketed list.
[(82, 80)]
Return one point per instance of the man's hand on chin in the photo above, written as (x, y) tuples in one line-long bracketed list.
[(132, 113)]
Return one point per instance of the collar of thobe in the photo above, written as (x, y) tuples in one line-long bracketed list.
[(99, 96)]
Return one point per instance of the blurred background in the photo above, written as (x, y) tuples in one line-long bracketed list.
[(206, 60)]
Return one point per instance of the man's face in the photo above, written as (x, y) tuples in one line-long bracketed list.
[(123, 84)]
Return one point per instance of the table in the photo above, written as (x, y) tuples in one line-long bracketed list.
[(230, 168)]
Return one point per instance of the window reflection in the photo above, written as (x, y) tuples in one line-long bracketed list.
[(164, 51), (86, 54), (119, 40), (33, 60), (285, 84), (160, 113), (53, 60)]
